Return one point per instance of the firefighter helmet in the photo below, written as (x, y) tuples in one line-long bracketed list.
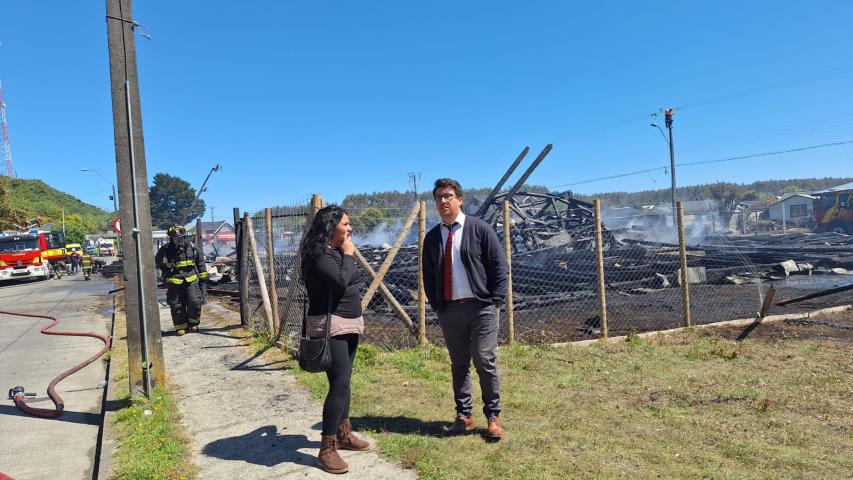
[(176, 231)]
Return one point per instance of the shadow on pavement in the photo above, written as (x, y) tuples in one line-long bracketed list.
[(82, 418), (263, 446)]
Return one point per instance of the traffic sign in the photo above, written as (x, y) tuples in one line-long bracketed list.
[(117, 225)]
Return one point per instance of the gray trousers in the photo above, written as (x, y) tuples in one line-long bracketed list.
[(471, 332)]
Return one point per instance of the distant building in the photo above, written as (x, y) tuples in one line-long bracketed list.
[(792, 209), (219, 238)]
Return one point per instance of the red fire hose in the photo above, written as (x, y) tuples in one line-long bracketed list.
[(18, 394)]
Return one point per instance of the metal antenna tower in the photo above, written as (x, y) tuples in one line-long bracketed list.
[(7, 150)]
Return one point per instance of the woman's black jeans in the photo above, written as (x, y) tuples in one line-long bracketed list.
[(336, 406)]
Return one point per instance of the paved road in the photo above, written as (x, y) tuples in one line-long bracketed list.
[(35, 448)]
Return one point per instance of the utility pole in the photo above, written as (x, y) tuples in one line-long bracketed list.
[(145, 350), (413, 181), (668, 119), (668, 112)]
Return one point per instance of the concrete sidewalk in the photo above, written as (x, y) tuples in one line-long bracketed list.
[(248, 419)]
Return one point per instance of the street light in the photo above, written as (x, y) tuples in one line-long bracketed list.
[(115, 206), (668, 117)]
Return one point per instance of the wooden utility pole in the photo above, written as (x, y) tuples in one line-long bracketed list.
[(145, 350)]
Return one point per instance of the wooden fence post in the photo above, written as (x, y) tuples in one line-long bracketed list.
[(599, 267), (259, 268), (271, 267), (422, 339), (510, 318), (682, 249), (316, 205)]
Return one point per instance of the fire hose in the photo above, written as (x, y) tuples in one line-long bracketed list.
[(19, 394)]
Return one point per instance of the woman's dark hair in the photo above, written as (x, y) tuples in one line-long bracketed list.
[(319, 233)]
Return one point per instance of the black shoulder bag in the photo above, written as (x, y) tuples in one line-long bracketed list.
[(314, 352)]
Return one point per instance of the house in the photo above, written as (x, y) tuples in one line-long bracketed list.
[(792, 209), (219, 238)]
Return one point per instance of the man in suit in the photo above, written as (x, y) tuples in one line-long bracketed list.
[(465, 278)]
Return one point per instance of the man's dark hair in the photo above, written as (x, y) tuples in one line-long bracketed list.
[(448, 182)]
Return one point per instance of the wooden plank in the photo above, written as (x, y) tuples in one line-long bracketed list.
[(389, 297), (259, 268)]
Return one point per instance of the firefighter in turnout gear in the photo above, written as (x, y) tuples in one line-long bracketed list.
[(86, 264), (183, 269)]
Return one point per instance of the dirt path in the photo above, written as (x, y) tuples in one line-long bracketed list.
[(246, 418)]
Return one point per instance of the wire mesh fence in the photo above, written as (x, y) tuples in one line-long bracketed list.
[(557, 291)]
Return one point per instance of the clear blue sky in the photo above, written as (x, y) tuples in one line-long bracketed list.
[(346, 97)]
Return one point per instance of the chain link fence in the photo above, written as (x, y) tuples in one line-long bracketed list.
[(556, 288)]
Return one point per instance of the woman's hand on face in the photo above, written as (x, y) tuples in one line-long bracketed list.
[(348, 248)]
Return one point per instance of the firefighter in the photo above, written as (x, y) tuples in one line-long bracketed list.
[(86, 263), (183, 269), (58, 266)]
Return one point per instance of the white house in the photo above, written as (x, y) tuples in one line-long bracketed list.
[(792, 209)]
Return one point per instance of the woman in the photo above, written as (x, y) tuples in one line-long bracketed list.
[(333, 280)]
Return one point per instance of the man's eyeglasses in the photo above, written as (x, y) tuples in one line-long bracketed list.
[(445, 198)]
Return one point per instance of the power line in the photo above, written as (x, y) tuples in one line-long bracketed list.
[(702, 162)]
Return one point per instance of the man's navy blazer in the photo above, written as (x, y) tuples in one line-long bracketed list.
[(482, 255)]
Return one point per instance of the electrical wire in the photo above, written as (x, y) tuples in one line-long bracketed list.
[(703, 162)]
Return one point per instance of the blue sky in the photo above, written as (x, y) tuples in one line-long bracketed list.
[(293, 98)]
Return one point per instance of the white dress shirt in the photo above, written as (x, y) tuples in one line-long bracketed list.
[(461, 286)]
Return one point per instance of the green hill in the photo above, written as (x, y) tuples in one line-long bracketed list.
[(22, 199)]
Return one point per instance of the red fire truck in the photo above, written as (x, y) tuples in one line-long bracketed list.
[(22, 256), (833, 211)]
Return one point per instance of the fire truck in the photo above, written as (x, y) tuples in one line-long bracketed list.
[(833, 212), (30, 252), (22, 256)]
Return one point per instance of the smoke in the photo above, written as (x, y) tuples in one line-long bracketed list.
[(629, 224), (384, 235)]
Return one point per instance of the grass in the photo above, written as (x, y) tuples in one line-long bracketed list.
[(151, 445), (692, 405)]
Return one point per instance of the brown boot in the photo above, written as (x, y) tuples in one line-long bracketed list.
[(347, 440), (328, 459)]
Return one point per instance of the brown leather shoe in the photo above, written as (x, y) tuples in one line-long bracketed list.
[(347, 440), (328, 459), (460, 425), (180, 332), (495, 429)]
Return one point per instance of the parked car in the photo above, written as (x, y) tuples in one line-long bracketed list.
[(91, 249)]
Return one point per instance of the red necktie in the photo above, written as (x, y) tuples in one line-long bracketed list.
[(448, 266)]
